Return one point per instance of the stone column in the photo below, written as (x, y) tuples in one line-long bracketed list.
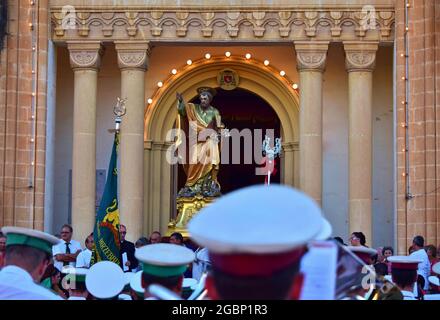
[(360, 63), (289, 164), (133, 62), (85, 59), (311, 60)]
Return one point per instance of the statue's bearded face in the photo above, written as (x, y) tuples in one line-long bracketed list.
[(205, 100)]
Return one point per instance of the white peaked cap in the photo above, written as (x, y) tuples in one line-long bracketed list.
[(404, 259), (124, 296), (165, 254), (165, 259), (30, 237), (325, 232), (434, 280), (72, 270), (436, 268), (259, 220), (136, 282), (105, 280), (189, 283), (404, 262), (128, 277)]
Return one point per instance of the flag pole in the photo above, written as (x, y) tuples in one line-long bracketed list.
[(106, 228), (119, 111)]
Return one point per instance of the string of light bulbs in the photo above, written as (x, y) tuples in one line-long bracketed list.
[(406, 103), (34, 66), (33, 25), (227, 55)]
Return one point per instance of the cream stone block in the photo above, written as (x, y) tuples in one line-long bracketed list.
[(85, 84), (360, 63), (132, 153), (165, 199), (311, 133), (147, 226), (360, 217), (133, 62), (311, 58), (311, 166), (288, 173), (85, 61), (156, 189)]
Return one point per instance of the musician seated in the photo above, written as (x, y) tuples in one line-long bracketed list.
[(404, 274), (246, 265), (164, 264)]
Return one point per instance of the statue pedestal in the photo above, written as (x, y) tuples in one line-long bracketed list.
[(186, 209)]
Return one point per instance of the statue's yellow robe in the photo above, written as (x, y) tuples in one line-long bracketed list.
[(204, 156)]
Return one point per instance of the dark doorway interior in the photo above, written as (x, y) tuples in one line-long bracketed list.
[(241, 109)]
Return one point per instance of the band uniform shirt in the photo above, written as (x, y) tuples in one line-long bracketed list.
[(61, 248), (17, 284), (201, 263)]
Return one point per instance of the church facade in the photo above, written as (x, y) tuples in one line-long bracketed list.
[(349, 86)]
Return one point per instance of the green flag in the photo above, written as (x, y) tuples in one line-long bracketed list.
[(106, 230)]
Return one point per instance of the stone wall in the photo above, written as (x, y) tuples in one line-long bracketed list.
[(22, 154), (419, 214)]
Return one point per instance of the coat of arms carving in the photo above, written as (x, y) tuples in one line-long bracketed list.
[(228, 79)]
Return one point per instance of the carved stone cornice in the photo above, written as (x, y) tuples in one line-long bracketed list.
[(148, 145), (360, 56), (161, 145), (133, 55), (85, 55), (311, 55), (330, 23)]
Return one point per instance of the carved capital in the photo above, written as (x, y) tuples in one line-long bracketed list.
[(360, 56), (132, 59), (85, 55), (311, 55), (133, 55)]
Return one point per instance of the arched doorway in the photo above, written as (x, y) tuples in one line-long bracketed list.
[(242, 110), (256, 82)]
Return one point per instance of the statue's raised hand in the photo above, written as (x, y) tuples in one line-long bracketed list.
[(179, 96)]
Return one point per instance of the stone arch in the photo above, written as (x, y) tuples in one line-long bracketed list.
[(161, 114)]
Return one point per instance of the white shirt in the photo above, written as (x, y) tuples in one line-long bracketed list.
[(61, 249), (83, 259), (424, 266), (408, 295), (201, 264), (17, 284)]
